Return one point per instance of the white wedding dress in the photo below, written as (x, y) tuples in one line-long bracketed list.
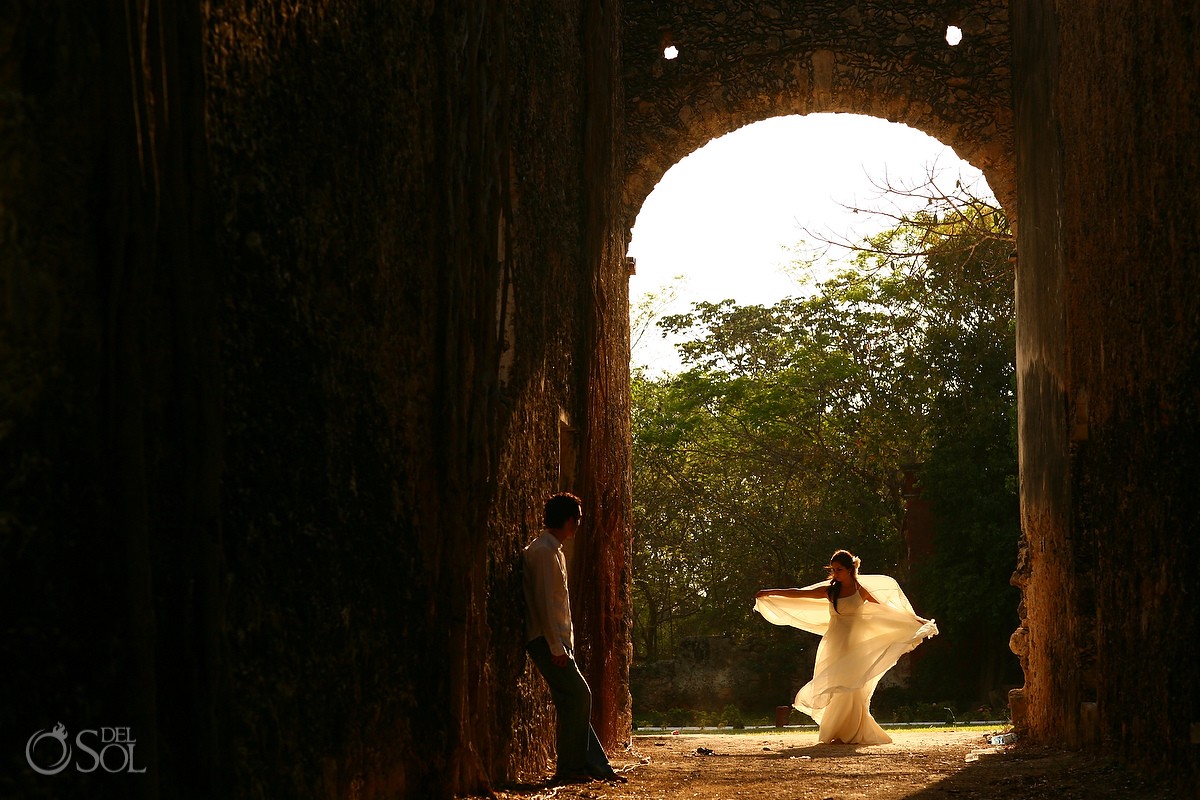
[(859, 643)]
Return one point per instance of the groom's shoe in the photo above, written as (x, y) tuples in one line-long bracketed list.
[(608, 775), (579, 776)]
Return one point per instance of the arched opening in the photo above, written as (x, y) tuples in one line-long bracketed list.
[(731, 216), (731, 213)]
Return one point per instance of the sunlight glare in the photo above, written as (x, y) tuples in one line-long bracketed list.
[(728, 216)]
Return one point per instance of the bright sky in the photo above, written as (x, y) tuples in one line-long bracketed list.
[(726, 216)]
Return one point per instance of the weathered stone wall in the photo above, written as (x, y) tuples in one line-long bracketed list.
[(709, 673), (755, 676), (295, 298), (741, 62), (305, 306), (1109, 320)]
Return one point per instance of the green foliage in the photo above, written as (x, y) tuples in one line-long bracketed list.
[(731, 716), (784, 437)]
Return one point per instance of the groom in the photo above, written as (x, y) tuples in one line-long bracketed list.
[(550, 642)]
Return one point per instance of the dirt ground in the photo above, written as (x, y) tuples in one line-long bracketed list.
[(791, 765)]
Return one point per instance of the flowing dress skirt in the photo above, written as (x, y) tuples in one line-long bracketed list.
[(859, 643)]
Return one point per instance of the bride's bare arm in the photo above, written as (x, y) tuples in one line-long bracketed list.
[(814, 592), (870, 598)]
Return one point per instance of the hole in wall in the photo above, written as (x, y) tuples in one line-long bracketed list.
[(670, 52), (953, 35)]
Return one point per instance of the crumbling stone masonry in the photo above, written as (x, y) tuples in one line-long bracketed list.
[(742, 61), (1108, 324), (304, 307)]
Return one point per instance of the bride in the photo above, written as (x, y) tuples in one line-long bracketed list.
[(865, 623)]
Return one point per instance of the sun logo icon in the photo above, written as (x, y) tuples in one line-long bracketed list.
[(59, 733)]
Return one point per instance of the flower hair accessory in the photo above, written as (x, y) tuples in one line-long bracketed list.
[(857, 563)]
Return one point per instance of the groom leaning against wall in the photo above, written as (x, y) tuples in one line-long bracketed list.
[(550, 642)]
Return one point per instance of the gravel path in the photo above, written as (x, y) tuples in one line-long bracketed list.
[(791, 765)]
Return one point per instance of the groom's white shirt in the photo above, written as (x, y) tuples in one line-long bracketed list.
[(546, 599)]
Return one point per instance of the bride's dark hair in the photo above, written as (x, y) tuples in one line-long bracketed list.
[(850, 562)]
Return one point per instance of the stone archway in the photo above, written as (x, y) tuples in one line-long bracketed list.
[(735, 64), (269, 464), (740, 63), (1081, 117)]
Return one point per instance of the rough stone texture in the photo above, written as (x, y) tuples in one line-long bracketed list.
[(295, 296), (742, 61), (1108, 325), (710, 673), (305, 305)]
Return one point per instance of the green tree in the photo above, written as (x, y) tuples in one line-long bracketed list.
[(783, 437)]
